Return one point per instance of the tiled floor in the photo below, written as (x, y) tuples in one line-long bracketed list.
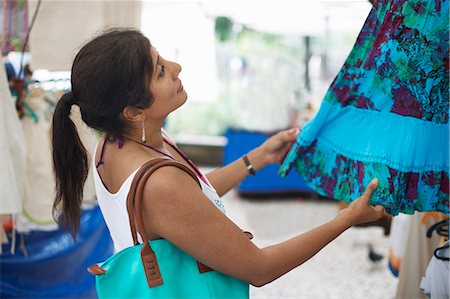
[(340, 270)]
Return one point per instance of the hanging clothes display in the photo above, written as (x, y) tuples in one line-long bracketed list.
[(36, 123), (418, 251), (385, 115), (43, 260), (12, 152), (435, 283), (37, 208), (397, 239), (400, 235)]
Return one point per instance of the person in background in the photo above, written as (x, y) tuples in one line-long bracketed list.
[(126, 89)]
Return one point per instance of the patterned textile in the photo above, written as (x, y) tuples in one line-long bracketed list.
[(386, 114)]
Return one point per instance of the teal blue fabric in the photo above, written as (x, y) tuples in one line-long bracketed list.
[(370, 136), (125, 276)]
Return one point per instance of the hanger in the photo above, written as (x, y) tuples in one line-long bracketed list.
[(442, 257), (440, 227)]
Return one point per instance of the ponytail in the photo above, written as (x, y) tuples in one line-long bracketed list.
[(70, 165), (110, 72)]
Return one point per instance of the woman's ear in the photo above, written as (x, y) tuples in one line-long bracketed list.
[(132, 114)]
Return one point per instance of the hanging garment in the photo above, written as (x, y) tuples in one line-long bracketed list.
[(418, 250), (37, 208), (36, 123), (435, 283), (12, 152), (404, 230), (397, 241), (385, 115)]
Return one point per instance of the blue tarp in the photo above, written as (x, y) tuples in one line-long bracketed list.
[(56, 265)]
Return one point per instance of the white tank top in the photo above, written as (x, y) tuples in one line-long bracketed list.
[(114, 208)]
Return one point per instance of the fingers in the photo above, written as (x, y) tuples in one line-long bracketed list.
[(289, 135), (381, 211), (370, 189), (294, 131)]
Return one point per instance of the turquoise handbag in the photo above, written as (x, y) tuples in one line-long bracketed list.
[(159, 269)]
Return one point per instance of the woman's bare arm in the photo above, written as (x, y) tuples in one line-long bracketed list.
[(177, 210), (227, 177)]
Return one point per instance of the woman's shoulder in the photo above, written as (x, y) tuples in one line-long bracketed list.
[(171, 182), (115, 164), (173, 175)]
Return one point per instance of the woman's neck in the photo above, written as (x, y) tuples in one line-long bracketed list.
[(154, 137)]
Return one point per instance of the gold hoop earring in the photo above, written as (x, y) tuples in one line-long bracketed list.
[(144, 137)]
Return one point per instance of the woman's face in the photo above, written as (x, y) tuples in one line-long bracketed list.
[(166, 87)]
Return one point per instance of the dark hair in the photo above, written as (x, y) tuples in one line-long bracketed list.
[(110, 72)]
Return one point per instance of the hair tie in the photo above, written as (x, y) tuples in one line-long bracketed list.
[(68, 98)]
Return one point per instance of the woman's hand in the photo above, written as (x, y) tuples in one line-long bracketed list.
[(274, 149), (271, 151), (360, 210)]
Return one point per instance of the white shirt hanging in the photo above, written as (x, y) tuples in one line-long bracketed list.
[(12, 152)]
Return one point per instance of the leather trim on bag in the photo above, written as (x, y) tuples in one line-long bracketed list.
[(96, 270)]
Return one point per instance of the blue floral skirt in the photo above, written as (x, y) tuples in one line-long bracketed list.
[(385, 115)]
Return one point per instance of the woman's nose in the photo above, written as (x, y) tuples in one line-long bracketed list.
[(177, 69)]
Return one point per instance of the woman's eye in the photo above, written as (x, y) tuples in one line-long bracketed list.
[(163, 70)]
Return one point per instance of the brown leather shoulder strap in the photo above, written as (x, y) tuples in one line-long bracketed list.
[(132, 192), (147, 169), (134, 207)]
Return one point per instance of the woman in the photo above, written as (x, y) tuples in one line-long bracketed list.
[(126, 89)]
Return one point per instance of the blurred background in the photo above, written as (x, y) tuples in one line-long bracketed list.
[(250, 69), (246, 64)]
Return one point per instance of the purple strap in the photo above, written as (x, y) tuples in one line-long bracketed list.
[(119, 144), (100, 162), (186, 158), (157, 150), (119, 140)]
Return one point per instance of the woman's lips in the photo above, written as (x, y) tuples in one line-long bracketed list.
[(180, 88)]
